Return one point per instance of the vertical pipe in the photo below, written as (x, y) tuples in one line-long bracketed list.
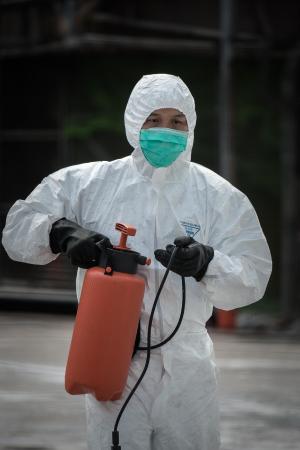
[(225, 319), (69, 16), (225, 118), (1, 116), (2, 206), (63, 147), (289, 196)]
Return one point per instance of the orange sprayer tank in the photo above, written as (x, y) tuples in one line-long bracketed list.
[(106, 323)]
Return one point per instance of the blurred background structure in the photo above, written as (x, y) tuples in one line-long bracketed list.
[(67, 68)]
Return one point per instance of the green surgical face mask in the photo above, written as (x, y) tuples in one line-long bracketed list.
[(162, 146)]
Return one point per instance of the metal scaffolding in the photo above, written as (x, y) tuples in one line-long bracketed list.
[(37, 28)]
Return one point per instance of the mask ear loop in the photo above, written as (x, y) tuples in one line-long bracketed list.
[(186, 155)]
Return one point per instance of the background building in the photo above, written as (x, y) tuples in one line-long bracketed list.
[(68, 66)]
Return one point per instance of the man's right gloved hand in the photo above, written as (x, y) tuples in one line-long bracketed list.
[(77, 243)]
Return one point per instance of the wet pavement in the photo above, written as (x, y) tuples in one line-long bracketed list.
[(259, 384)]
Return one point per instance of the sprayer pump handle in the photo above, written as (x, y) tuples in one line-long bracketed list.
[(128, 230)]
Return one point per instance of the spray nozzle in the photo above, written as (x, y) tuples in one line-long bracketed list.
[(115, 441)]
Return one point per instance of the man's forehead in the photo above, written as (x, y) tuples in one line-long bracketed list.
[(172, 111)]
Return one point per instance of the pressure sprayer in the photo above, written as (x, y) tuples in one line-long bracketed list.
[(106, 322), (106, 325)]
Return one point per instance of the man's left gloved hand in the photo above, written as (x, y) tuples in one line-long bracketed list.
[(191, 260)]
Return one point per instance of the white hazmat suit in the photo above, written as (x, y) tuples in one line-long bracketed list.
[(175, 407)]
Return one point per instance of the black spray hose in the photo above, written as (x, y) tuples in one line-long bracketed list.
[(178, 323), (115, 433)]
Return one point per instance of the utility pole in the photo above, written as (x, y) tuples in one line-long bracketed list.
[(226, 158), (289, 282), (225, 319)]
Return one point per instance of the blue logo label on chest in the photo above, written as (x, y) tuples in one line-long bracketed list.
[(191, 229)]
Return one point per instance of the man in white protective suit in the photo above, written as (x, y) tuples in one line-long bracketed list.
[(165, 196)]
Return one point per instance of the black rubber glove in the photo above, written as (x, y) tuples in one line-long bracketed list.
[(191, 260), (77, 243)]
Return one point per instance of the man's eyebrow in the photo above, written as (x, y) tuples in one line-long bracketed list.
[(175, 115)]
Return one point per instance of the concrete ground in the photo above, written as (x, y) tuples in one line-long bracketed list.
[(259, 383)]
